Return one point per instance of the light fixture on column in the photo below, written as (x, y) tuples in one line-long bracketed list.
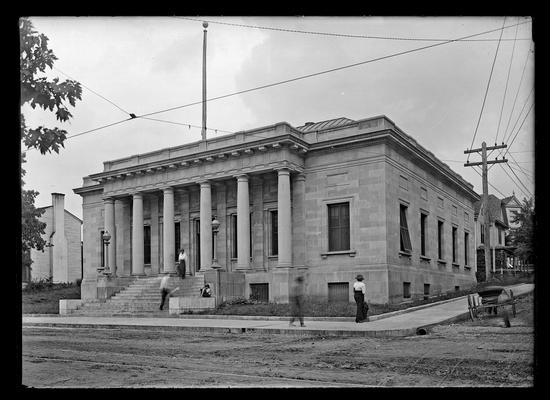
[(215, 228), (106, 237)]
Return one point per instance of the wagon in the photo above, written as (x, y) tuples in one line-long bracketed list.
[(491, 298)]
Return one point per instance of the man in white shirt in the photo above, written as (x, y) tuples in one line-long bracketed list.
[(165, 292)]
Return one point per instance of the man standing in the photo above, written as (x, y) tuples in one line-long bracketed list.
[(164, 291), (297, 299)]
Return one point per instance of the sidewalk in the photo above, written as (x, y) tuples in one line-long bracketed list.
[(400, 323)]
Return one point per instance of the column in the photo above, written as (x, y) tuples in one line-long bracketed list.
[(284, 221), (137, 234), (299, 220), (168, 231), (206, 226), (243, 223), (109, 205)]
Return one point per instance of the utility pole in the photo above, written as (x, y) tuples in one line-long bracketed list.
[(203, 130), (485, 202)]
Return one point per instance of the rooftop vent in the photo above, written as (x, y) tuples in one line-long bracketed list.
[(309, 123)]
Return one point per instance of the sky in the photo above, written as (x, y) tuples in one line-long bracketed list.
[(449, 97)]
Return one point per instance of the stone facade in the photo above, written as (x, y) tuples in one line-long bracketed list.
[(291, 177), (62, 261)]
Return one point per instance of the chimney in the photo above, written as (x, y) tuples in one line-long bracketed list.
[(309, 123), (58, 204)]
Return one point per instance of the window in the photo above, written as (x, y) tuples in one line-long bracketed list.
[(338, 227), (440, 202), (457, 288), (274, 248), (482, 232), (499, 234), (259, 292), (338, 292), (147, 244), (455, 256), (455, 211), (466, 217), (406, 290), (440, 240), (466, 244), (177, 231), (426, 291), (423, 218), (405, 240)]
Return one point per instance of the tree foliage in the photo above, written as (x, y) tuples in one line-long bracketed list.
[(52, 95), (522, 237)]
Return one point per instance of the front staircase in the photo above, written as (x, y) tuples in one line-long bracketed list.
[(141, 298)]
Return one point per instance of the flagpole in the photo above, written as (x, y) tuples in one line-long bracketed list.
[(203, 130)]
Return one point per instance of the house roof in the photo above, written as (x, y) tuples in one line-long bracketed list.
[(66, 211), (331, 123), (496, 208)]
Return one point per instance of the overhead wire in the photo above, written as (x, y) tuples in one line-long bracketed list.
[(486, 90), (490, 184), (331, 70), (519, 181), (297, 78), (345, 35), (506, 87)]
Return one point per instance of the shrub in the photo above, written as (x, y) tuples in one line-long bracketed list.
[(78, 282)]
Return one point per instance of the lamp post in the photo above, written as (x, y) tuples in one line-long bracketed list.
[(215, 228), (106, 237)]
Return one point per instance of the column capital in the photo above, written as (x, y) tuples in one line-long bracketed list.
[(241, 177), (300, 177), (167, 189), (136, 194), (205, 183), (283, 171), (108, 199)]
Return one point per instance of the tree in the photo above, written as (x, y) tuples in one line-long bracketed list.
[(38, 91), (52, 95), (522, 237)]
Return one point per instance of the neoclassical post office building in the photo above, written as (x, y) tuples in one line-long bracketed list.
[(325, 200)]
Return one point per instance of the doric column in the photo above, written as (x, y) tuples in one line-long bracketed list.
[(168, 231), (109, 206), (243, 223), (206, 226), (137, 234), (284, 221)]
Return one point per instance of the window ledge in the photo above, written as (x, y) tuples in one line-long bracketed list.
[(424, 258), (455, 265), (351, 253), (467, 267), (441, 262), (405, 254), (273, 257)]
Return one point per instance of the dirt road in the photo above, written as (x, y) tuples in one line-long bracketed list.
[(469, 354)]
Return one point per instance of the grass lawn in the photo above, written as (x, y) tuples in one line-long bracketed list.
[(46, 300)]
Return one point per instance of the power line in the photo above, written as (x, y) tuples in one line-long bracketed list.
[(298, 78), (94, 92), (184, 124), (341, 34), (519, 180), (507, 79), (517, 92), (519, 129), (329, 70), (486, 90), (519, 115), (490, 184), (522, 170)]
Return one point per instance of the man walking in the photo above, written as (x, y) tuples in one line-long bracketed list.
[(164, 291), (297, 301)]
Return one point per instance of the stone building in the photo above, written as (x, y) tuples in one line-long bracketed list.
[(325, 200), (62, 260)]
